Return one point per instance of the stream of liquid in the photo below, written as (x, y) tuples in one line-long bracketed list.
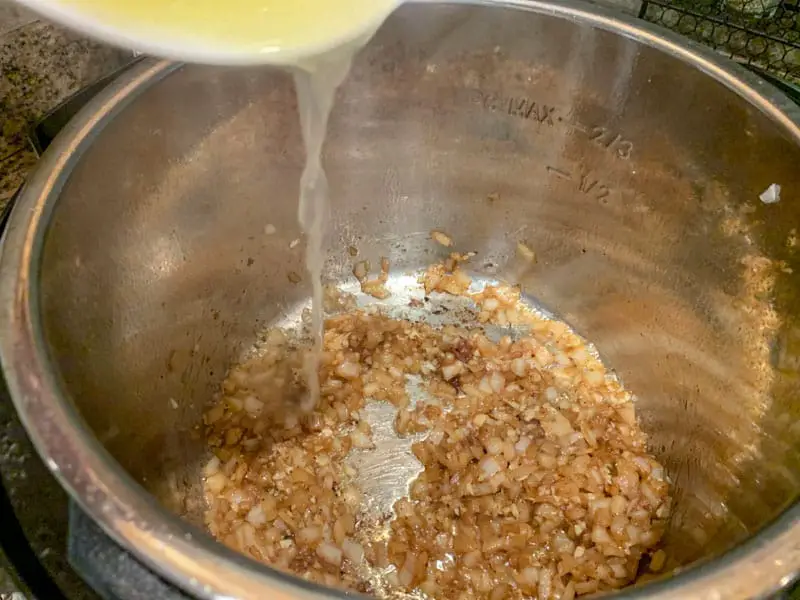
[(316, 82)]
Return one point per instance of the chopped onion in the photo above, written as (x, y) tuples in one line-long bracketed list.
[(406, 574), (497, 381), (519, 367), (489, 466), (253, 405), (360, 270), (525, 252), (530, 576), (600, 535), (256, 517), (441, 238), (594, 378), (216, 483), (618, 505), (522, 445), (436, 437), (657, 560), (771, 195), (212, 466), (490, 304), (557, 425), (619, 571), (309, 535), (353, 551), (361, 440), (330, 554), (495, 446), (451, 370), (348, 370)]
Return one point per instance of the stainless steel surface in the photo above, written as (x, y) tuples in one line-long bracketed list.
[(137, 268)]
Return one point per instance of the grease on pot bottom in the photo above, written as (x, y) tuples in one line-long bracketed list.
[(466, 446)]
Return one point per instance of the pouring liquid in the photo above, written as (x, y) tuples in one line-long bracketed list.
[(317, 39), (316, 85)]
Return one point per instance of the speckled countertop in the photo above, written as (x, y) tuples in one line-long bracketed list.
[(40, 66)]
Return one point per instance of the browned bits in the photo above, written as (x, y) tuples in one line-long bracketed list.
[(441, 238), (536, 480), (448, 277), (524, 251), (373, 287)]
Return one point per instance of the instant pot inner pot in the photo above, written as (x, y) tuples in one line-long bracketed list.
[(634, 177)]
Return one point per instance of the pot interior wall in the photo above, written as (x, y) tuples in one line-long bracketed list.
[(634, 176)]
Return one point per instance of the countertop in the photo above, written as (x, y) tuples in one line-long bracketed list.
[(40, 66)]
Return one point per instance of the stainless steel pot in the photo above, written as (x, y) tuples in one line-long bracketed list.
[(136, 268)]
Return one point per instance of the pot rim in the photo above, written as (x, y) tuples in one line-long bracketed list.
[(188, 557)]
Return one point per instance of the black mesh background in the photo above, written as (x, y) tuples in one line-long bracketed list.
[(761, 33)]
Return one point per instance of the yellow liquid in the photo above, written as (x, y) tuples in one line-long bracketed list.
[(316, 88), (245, 27)]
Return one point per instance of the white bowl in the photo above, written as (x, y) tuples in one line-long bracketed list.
[(175, 42)]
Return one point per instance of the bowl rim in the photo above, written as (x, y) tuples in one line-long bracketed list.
[(188, 557), (183, 48)]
